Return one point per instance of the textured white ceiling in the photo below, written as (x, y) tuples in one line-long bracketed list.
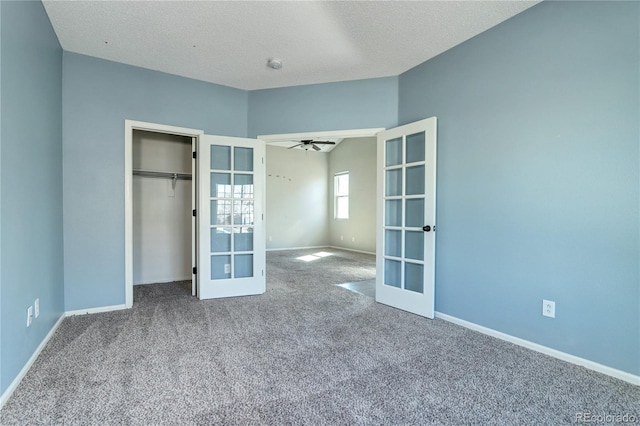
[(229, 42)]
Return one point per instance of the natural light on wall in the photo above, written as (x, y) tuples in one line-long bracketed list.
[(341, 195), (314, 256)]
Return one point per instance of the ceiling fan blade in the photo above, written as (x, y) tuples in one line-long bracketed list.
[(325, 142), (295, 146), (315, 147)]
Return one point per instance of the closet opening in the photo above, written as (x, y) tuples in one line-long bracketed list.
[(162, 195), (131, 126)]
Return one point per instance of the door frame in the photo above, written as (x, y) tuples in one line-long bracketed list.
[(129, 127), (332, 134), (370, 132)]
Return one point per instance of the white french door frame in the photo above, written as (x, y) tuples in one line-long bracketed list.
[(129, 127)]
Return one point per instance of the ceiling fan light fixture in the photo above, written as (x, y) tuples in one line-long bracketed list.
[(274, 63)]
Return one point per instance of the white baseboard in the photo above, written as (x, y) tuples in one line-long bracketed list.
[(12, 387), (296, 248), (350, 249), (95, 310), (591, 365), (321, 247)]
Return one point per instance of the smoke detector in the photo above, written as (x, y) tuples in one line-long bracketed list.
[(274, 63)]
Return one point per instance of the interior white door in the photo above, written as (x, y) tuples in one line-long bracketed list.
[(230, 217), (406, 207)]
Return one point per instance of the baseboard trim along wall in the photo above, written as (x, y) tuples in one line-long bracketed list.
[(12, 387), (591, 365), (320, 247), (95, 310), (296, 248), (350, 249)]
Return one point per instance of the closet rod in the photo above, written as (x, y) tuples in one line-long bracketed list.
[(153, 173)]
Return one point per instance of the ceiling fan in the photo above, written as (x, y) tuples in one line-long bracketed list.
[(307, 144)]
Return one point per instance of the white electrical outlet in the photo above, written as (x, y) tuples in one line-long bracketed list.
[(353, 239), (36, 308), (341, 237), (29, 315), (270, 238), (549, 308), (227, 268)]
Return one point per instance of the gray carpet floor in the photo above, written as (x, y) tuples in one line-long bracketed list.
[(305, 352), (366, 287)]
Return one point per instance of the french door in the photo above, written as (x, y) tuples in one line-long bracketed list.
[(406, 201), (230, 217)]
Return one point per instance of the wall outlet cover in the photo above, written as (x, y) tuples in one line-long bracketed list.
[(549, 308)]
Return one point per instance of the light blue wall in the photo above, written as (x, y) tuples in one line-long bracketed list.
[(538, 177), (323, 107), (98, 96), (31, 182)]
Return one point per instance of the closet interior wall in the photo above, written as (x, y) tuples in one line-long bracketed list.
[(161, 208)]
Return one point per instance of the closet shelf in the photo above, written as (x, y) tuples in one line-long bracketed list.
[(161, 174)]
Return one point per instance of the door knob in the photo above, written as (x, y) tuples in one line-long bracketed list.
[(426, 228)]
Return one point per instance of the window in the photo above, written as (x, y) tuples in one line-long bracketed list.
[(341, 195)]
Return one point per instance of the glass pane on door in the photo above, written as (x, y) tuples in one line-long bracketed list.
[(393, 182), (232, 212), (243, 265), (414, 245), (414, 216), (220, 267), (243, 239), (220, 240), (415, 147), (393, 151), (414, 277), (220, 157), (243, 186), (415, 181), (404, 212), (220, 185), (243, 159), (393, 213), (393, 243), (392, 272)]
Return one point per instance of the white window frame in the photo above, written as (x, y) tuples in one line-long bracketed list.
[(337, 195)]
